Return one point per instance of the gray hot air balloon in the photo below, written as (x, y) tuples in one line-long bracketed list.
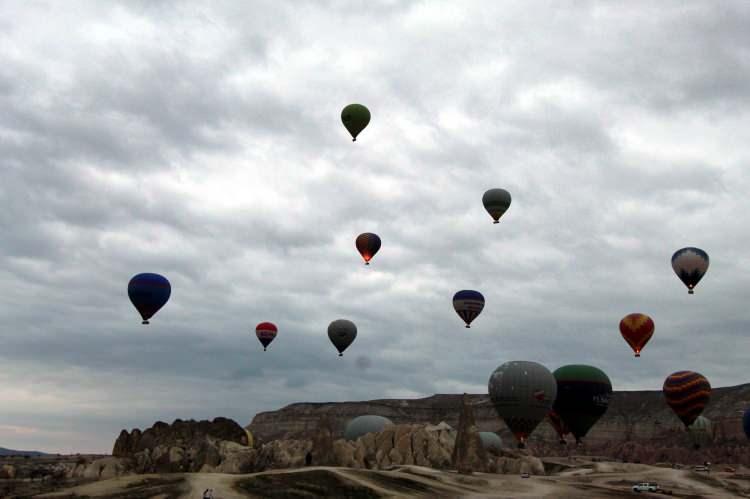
[(491, 441), (496, 202), (342, 332), (701, 432), (363, 425), (523, 393)]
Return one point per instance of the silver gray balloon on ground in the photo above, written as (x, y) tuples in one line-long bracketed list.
[(496, 202), (523, 393), (363, 425), (701, 432), (341, 333), (491, 441)]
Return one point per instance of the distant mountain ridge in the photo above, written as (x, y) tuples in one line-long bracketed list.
[(30, 453), (633, 416)]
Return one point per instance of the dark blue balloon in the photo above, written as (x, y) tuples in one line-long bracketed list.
[(468, 304), (148, 292), (746, 422)]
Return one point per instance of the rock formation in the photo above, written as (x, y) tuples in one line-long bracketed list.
[(640, 417), (322, 453), (468, 452), (184, 446)]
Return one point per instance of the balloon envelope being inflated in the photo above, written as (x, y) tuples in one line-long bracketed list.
[(701, 432), (523, 393), (496, 202), (491, 441), (355, 118), (362, 425), (690, 265), (687, 393), (342, 332), (148, 292), (583, 394)]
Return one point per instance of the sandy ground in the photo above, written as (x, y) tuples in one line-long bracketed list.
[(586, 481)]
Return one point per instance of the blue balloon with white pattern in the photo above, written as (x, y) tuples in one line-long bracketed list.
[(468, 305)]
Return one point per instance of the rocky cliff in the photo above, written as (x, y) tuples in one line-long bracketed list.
[(640, 419)]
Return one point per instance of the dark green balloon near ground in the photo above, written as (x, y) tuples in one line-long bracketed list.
[(355, 118), (583, 394)]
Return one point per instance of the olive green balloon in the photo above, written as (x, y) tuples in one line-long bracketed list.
[(496, 202), (355, 118)]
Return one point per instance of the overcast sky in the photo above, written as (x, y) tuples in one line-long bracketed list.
[(203, 141)]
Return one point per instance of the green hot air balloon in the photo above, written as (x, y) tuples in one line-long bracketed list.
[(362, 425), (701, 432), (342, 332), (523, 393), (583, 394), (355, 118), (496, 202)]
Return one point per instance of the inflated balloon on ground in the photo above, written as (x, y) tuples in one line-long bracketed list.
[(522, 393), (583, 394), (687, 393)]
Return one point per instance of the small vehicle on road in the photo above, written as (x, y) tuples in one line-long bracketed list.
[(524, 475), (645, 487)]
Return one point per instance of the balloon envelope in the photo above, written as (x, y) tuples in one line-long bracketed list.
[(746, 423), (496, 202), (148, 293), (690, 265), (491, 441), (341, 333), (701, 432), (266, 332), (362, 425), (367, 244), (583, 394), (687, 393), (637, 329), (522, 393), (355, 118), (468, 304)]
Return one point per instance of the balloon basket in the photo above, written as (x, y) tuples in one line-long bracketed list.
[(496, 222), (637, 355), (145, 322), (341, 355), (690, 292), (468, 327)]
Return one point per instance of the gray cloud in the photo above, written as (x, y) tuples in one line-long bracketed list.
[(204, 142)]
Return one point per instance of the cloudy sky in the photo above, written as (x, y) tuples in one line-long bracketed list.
[(203, 141)]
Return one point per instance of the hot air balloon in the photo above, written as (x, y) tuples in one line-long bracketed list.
[(701, 432), (687, 393), (342, 332), (468, 304), (266, 332), (690, 265), (523, 393), (496, 202), (368, 244), (637, 329), (559, 425), (746, 423), (362, 425), (355, 118), (583, 394), (491, 441), (148, 292)]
